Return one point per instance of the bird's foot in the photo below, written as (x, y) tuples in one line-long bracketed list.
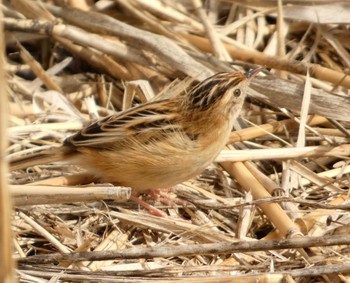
[(151, 209), (164, 196), (158, 195)]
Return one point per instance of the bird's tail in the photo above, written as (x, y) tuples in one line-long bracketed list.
[(43, 157)]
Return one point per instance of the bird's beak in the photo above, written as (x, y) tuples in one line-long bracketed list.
[(253, 72)]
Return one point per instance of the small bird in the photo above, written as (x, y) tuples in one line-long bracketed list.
[(158, 144)]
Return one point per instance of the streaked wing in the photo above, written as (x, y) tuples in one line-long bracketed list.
[(151, 119)]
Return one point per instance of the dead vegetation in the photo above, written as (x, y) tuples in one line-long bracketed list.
[(274, 208)]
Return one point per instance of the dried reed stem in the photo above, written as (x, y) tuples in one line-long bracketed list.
[(6, 262)]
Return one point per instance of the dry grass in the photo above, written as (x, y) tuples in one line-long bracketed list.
[(275, 206), (6, 263)]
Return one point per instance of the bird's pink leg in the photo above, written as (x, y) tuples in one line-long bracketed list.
[(163, 197), (152, 210)]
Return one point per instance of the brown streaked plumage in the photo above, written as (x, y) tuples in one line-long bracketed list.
[(157, 144)]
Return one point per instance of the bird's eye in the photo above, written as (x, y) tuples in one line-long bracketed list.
[(237, 92)]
